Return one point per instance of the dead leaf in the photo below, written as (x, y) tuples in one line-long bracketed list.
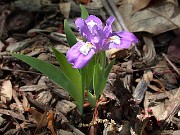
[(1, 45), (6, 91), (25, 102), (173, 50), (139, 91), (65, 106), (172, 108), (40, 118), (138, 5), (50, 119), (82, 1), (159, 87), (157, 18), (65, 9), (13, 47), (149, 50), (13, 114), (148, 76)]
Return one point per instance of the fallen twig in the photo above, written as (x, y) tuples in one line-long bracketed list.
[(19, 104), (173, 66)]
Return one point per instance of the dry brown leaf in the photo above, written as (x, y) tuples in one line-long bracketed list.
[(148, 76), (139, 91), (138, 5), (157, 107), (6, 91), (82, 1), (13, 114), (172, 108), (156, 88), (50, 119), (40, 118), (65, 8), (1, 45), (160, 17)]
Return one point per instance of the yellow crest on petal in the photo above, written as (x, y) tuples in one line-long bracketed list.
[(86, 48), (115, 39)]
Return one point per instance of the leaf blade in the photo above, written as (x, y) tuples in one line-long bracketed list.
[(71, 39), (84, 13), (100, 78), (72, 73), (55, 74)]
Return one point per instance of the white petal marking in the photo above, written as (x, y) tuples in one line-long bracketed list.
[(86, 48), (115, 39), (91, 23)]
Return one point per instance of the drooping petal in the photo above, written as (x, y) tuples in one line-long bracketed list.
[(80, 54), (83, 59), (121, 40), (124, 44), (128, 36), (93, 20), (108, 27), (73, 53)]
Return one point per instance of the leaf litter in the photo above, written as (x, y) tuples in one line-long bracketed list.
[(142, 92)]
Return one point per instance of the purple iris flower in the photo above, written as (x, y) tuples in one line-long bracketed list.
[(98, 38)]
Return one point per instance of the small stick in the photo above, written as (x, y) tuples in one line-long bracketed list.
[(117, 14), (110, 12), (113, 10), (173, 66), (12, 70), (19, 104), (24, 132)]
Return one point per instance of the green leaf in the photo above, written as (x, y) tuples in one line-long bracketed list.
[(71, 39), (56, 75), (91, 99), (89, 73), (103, 60), (97, 80), (106, 74), (108, 69), (83, 76), (72, 73), (100, 78), (84, 13)]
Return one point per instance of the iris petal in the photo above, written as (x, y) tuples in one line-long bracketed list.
[(83, 59), (83, 28), (73, 53), (78, 59), (93, 20), (128, 36), (108, 27), (126, 39)]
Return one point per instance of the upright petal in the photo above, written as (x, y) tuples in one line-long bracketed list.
[(83, 28), (92, 20), (108, 27), (80, 23), (98, 39)]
